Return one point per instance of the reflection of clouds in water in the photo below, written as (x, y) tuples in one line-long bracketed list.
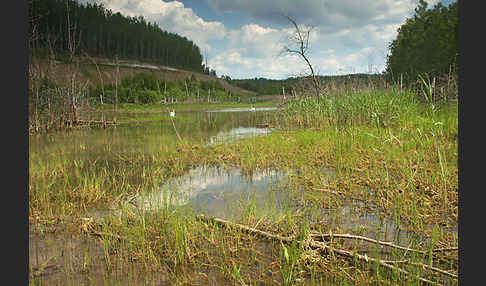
[(210, 181), (258, 176), (219, 192), (236, 134)]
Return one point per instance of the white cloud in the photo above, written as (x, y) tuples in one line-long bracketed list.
[(173, 17), (347, 35), (253, 51), (236, 65), (255, 41)]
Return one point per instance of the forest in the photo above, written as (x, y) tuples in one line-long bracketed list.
[(264, 86), (65, 27), (426, 43)]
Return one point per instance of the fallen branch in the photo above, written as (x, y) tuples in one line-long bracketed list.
[(445, 249), (384, 243), (321, 245), (246, 228), (313, 244), (435, 269), (350, 236), (431, 268), (39, 270)]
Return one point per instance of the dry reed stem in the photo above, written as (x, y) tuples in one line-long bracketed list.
[(175, 129)]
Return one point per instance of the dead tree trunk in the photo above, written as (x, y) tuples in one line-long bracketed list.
[(299, 45)]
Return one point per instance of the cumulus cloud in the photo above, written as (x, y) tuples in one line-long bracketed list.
[(328, 14), (347, 35), (255, 41), (236, 65), (171, 16), (255, 51)]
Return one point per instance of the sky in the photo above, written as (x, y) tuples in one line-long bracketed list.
[(245, 38)]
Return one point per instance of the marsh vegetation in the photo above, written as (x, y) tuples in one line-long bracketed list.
[(142, 173), (357, 187)]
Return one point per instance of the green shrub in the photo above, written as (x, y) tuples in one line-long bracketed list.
[(148, 96)]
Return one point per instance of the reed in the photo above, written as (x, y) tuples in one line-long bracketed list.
[(394, 153)]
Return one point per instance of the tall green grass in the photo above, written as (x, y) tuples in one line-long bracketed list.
[(380, 109), (388, 149)]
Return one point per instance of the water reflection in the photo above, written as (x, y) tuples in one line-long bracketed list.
[(149, 136), (226, 193), (219, 192), (237, 134)]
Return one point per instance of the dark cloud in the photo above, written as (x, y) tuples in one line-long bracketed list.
[(327, 14)]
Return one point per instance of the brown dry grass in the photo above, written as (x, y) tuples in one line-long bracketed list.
[(57, 71)]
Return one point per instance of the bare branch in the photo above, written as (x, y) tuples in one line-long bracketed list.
[(301, 39)]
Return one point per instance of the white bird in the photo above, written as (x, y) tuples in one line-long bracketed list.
[(252, 108), (172, 113)]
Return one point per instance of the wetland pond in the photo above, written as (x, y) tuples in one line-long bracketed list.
[(210, 190)]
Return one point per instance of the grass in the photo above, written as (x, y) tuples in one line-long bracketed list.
[(391, 151)]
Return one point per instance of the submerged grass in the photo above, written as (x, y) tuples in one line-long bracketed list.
[(389, 150)]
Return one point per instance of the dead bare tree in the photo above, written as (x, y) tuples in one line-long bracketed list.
[(298, 43), (54, 98), (72, 30)]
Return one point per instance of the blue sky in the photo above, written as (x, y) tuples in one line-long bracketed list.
[(244, 38)]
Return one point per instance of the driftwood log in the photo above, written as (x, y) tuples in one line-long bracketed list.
[(320, 245), (327, 249)]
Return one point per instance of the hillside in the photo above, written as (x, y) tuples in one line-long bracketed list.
[(100, 32), (92, 72)]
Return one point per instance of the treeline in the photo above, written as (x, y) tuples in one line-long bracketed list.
[(65, 27), (425, 44), (263, 86), (146, 88)]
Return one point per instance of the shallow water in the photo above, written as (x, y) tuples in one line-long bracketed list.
[(150, 137), (236, 134), (210, 190), (224, 193), (228, 193)]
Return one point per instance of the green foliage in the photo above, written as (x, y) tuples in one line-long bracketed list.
[(100, 32), (175, 91), (264, 86), (109, 96), (427, 42), (126, 95), (148, 96), (289, 262), (146, 88), (142, 81), (211, 84)]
